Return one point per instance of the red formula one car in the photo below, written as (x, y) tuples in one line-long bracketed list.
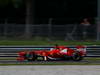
[(56, 53)]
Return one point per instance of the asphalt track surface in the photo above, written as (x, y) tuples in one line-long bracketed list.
[(50, 70)]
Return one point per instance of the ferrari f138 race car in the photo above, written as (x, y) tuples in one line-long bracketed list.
[(56, 53)]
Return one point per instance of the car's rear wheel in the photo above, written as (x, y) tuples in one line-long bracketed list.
[(31, 57), (77, 57)]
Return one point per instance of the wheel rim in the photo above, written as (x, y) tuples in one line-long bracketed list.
[(76, 57), (31, 57)]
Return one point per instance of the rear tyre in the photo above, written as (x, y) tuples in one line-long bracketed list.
[(31, 57), (77, 57)]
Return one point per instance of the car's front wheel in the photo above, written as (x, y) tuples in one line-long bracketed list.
[(77, 57)]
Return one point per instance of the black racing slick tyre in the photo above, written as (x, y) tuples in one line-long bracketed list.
[(77, 57), (31, 57)]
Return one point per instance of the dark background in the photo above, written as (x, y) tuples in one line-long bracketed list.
[(62, 12)]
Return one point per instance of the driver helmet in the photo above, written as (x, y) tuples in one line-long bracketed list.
[(79, 46), (60, 47)]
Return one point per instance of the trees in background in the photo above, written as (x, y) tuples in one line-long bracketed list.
[(29, 15)]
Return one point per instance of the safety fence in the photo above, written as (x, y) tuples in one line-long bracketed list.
[(48, 31)]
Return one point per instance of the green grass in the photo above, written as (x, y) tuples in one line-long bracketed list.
[(49, 63), (85, 58), (40, 42), (92, 58)]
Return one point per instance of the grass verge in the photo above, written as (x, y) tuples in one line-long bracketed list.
[(40, 42), (44, 64)]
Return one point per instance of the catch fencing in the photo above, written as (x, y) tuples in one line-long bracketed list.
[(48, 32)]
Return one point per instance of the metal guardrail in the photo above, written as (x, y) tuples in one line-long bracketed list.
[(11, 51)]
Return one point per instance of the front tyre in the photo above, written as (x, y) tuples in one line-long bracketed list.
[(77, 57)]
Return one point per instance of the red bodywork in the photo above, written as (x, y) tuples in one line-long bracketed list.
[(55, 53)]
